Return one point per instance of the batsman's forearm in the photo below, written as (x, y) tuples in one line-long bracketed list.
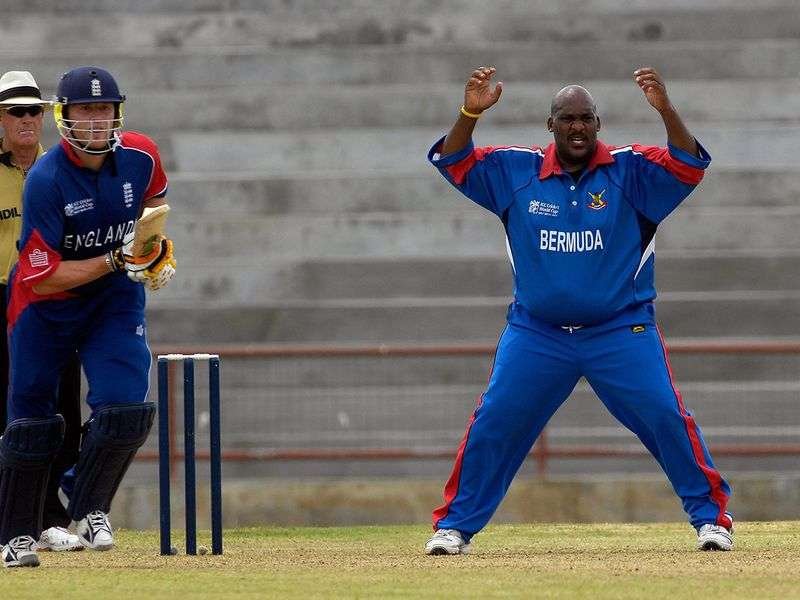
[(459, 136), (154, 201), (72, 273), (677, 133)]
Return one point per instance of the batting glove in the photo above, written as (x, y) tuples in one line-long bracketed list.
[(156, 268)]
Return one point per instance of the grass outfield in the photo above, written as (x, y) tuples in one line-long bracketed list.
[(526, 561)]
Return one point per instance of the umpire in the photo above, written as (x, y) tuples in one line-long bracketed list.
[(21, 115)]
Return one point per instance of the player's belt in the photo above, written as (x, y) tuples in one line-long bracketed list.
[(571, 328)]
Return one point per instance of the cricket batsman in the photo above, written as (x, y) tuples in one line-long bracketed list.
[(76, 287), (580, 218)]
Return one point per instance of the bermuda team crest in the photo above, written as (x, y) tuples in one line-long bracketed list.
[(597, 202)]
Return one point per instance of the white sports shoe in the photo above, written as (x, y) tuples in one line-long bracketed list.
[(714, 537), (20, 552), (94, 531), (59, 539), (447, 541)]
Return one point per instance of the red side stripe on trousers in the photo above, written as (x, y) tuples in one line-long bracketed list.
[(451, 487), (718, 496)]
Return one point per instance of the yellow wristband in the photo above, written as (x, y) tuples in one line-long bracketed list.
[(466, 113)]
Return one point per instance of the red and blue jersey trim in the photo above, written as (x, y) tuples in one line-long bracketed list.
[(458, 171), (683, 166), (138, 142), (37, 262), (552, 166), (674, 160), (133, 140)]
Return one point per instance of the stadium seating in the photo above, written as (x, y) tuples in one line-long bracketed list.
[(295, 136)]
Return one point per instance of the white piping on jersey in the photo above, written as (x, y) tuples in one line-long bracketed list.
[(438, 156), (651, 247), (36, 275), (510, 256), (624, 149), (520, 149), (648, 252)]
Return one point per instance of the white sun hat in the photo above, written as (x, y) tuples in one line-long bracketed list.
[(19, 88)]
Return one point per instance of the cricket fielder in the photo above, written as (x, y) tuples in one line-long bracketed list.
[(580, 219)]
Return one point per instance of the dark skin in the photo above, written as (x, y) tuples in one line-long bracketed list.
[(478, 96), (574, 123), (573, 119)]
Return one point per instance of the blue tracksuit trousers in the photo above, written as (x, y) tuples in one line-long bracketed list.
[(536, 367)]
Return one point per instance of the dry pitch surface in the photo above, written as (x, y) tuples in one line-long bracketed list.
[(525, 561)]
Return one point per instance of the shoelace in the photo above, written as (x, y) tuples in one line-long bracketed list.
[(98, 521), (718, 529), (22, 542)]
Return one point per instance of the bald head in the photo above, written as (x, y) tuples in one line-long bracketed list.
[(574, 122), (568, 93)]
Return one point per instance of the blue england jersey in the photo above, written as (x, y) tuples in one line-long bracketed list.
[(75, 213), (582, 251)]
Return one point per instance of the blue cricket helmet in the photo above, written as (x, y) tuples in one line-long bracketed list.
[(85, 85), (88, 84)]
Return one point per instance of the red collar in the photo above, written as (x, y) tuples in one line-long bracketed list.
[(551, 165), (71, 154)]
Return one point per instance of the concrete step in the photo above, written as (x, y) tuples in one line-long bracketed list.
[(275, 375), (524, 104), (229, 284), (204, 68), (768, 145), (436, 472), (254, 194), (311, 9), (415, 416), (377, 26), (246, 243), (434, 320), (392, 278)]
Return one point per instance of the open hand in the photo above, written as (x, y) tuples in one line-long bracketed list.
[(478, 93), (653, 87)]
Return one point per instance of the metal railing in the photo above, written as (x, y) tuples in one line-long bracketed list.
[(542, 452)]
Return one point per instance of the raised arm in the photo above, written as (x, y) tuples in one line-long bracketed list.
[(655, 91), (478, 96)]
